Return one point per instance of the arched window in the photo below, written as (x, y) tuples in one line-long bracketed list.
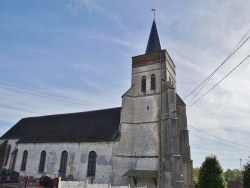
[(24, 161), (42, 161), (63, 164), (143, 84), (13, 159), (91, 164), (7, 154), (152, 82)]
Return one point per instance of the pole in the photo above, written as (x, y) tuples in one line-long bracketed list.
[(26, 181)]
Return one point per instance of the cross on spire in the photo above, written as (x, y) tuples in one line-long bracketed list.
[(153, 10)]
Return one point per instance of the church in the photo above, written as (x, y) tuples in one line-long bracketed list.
[(145, 142)]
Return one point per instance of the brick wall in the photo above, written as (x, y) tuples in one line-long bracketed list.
[(148, 59)]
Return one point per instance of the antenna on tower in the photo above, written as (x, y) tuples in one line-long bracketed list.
[(153, 10)]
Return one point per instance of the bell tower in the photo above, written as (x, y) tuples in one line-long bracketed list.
[(150, 140)]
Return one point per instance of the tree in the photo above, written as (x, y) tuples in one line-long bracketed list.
[(211, 174), (246, 175), (195, 175), (231, 175)]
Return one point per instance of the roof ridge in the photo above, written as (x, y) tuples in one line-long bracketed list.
[(71, 113)]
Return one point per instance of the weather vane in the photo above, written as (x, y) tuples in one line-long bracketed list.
[(153, 10)]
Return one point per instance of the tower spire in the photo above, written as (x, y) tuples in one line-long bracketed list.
[(153, 40)]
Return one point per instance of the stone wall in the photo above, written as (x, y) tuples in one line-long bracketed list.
[(77, 159), (187, 163)]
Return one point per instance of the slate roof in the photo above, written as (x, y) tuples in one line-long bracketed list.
[(92, 126), (153, 40)]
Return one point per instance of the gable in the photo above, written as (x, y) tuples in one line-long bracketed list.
[(92, 126)]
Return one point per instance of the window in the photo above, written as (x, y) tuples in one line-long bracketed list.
[(24, 161), (42, 161), (143, 84), (91, 164), (13, 159), (7, 154), (63, 165), (152, 82)]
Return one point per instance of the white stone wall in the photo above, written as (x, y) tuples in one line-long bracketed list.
[(147, 71), (140, 109), (138, 139), (127, 112), (146, 109), (170, 69), (77, 159)]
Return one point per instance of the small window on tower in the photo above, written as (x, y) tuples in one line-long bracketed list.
[(143, 84), (152, 82)]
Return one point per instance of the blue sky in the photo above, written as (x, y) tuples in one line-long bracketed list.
[(82, 49)]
